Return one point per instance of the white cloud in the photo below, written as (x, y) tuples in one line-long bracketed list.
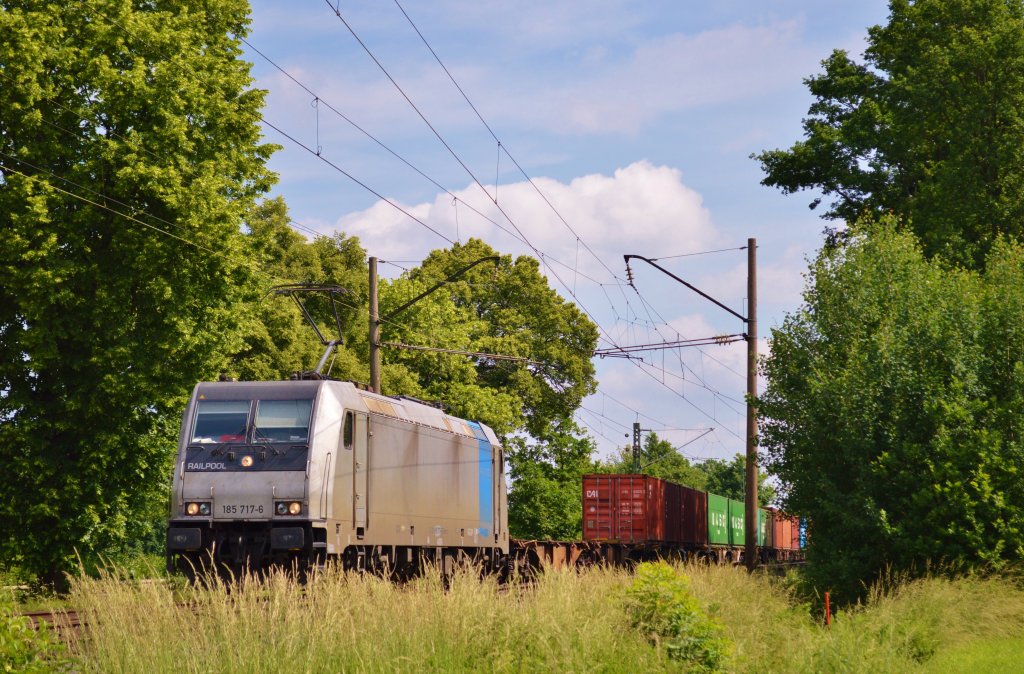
[(645, 206)]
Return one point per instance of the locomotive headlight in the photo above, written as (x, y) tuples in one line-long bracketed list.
[(246, 461), (192, 508), (288, 507), (204, 509)]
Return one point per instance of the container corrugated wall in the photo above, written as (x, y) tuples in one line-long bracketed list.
[(737, 523), (695, 516), (631, 509), (718, 520)]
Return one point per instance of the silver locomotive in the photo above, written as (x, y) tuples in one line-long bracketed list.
[(301, 472)]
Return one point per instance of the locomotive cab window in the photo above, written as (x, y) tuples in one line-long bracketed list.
[(282, 421), (221, 421), (347, 431)]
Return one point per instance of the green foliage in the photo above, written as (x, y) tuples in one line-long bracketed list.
[(660, 458), (278, 341), (106, 322), (729, 478), (544, 498), (892, 411), (930, 127), (507, 309), (663, 608), (24, 648)]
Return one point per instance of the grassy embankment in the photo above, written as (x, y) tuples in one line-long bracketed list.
[(565, 622)]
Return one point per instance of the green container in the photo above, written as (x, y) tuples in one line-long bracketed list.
[(718, 520), (737, 523), (762, 528)]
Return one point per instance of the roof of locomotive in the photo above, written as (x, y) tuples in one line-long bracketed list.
[(351, 397)]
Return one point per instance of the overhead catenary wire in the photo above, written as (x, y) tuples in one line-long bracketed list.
[(351, 177), (700, 252), (503, 147), (127, 216), (457, 199), (545, 258), (519, 237), (540, 255), (128, 140), (458, 352)]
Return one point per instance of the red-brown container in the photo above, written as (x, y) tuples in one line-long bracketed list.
[(780, 534), (794, 541), (695, 516), (631, 509)]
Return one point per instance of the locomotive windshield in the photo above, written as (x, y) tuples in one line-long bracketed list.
[(275, 421), (221, 421), (282, 421)]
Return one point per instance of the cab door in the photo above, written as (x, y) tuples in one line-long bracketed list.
[(361, 453)]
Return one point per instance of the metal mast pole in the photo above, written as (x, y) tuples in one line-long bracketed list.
[(752, 524), (636, 447), (374, 330)]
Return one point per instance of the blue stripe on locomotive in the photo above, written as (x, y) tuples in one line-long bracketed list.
[(485, 477)]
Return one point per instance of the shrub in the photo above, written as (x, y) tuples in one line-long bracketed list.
[(662, 607), (23, 649)]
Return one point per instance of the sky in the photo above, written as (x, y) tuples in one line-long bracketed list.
[(583, 131)]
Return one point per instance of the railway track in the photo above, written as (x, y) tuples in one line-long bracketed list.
[(64, 622)]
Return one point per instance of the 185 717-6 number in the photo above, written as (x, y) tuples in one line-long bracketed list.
[(243, 509)]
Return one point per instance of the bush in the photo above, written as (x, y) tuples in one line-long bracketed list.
[(23, 649), (662, 607)]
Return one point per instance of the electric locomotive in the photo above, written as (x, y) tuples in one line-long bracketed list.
[(301, 472)]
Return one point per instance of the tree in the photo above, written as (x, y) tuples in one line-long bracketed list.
[(729, 478), (892, 411), (658, 458), (129, 152), (278, 340), (545, 498), (507, 309), (930, 127)]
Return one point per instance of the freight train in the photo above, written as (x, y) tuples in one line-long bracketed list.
[(640, 515), (306, 471)]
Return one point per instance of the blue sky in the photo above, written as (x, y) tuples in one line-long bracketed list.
[(634, 119)]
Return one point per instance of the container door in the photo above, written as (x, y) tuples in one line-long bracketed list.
[(633, 497), (361, 453), (598, 507)]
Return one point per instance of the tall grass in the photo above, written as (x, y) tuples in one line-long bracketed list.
[(563, 622), (903, 625), (344, 622)]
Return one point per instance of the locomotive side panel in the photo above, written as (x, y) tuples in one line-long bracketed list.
[(428, 487)]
